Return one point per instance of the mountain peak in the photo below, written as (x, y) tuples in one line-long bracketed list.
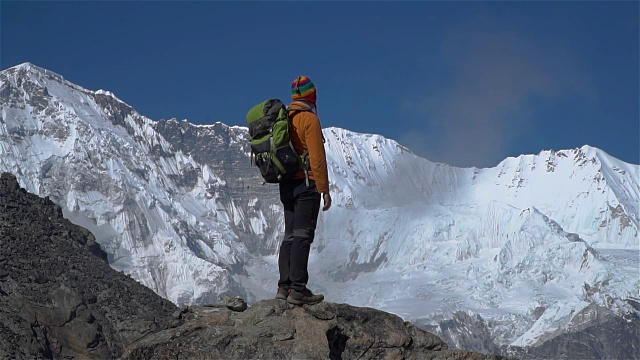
[(34, 69), (41, 76), (111, 95), (25, 65)]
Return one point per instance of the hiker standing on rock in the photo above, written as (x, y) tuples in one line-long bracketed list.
[(301, 196)]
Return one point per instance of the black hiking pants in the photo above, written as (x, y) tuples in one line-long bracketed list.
[(301, 208)]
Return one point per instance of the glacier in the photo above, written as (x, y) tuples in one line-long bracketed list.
[(526, 245)]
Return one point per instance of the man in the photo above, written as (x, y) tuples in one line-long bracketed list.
[(301, 196)]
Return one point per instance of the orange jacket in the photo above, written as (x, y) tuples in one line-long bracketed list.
[(307, 135)]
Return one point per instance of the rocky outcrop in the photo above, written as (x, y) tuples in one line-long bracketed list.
[(273, 329), (58, 296)]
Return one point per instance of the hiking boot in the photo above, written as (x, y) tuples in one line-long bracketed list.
[(304, 297), (282, 294)]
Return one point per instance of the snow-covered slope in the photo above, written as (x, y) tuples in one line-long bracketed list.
[(114, 174), (555, 231), (525, 246)]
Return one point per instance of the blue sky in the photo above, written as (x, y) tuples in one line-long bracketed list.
[(465, 83)]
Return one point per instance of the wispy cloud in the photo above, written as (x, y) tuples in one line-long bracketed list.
[(487, 104)]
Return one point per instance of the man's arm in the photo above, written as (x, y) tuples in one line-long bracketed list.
[(317, 157)]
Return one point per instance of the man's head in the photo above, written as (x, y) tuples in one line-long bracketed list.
[(303, 89)]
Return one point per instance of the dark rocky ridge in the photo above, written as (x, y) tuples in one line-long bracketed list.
[(58, 296), (60, 299)]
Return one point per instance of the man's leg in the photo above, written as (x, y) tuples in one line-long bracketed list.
[(305, 217), (284, 261), (284, 256)]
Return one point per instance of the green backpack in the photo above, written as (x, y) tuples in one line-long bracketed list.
[(271, 147)]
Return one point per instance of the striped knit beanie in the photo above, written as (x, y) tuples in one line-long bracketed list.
[(303, 89)]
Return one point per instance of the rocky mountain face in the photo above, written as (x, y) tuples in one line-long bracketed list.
[(516, 252), (60, 299), (58, 296), (223, 150), (597, 333)]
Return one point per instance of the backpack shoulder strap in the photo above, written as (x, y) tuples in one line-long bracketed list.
[(304, 107), (295, 110)]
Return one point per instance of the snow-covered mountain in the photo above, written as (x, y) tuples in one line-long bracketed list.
[(524, 249)]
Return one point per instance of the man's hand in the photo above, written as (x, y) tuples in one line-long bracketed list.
[(327, 201)]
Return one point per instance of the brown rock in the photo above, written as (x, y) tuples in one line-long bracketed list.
[(273, 329)]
